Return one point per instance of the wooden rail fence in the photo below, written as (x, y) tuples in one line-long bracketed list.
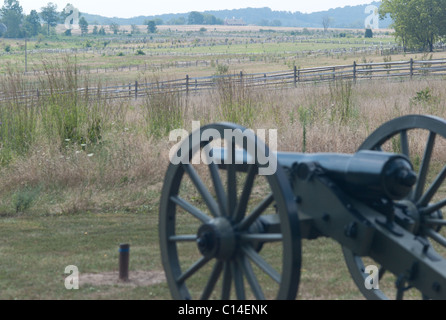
[(282, 79)]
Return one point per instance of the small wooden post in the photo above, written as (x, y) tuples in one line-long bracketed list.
[(136, 90), (124, 254), (295, 76), (354, 72)]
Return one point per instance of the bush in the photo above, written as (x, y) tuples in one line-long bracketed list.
[(368, 33)]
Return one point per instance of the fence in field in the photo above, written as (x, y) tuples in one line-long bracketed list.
[(282, 79)]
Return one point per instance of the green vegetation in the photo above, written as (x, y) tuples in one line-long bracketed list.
[(417, 23)]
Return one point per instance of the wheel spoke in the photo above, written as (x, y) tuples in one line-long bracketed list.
[(427, 197), (207, 197), (433, 208), (252, 279), (238, 280), (424, 166), (219, 189), (438, 222), (246, 223), (216, 272), (436, 236), (262, 237), (183, 238), (244, 199), (382, 271), (193, 269), (227, 281), (404, 143), (191, 209), (232, 184), (261, 263)]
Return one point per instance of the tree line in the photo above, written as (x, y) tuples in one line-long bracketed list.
[(417, 24), (15, 24)]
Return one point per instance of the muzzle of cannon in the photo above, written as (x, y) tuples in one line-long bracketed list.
[(227, 231)]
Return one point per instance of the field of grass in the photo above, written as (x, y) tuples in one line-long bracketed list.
[(79, 177)]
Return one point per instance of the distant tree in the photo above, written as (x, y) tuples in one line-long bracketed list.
[(95, 30), (179, 21), (32, 24), (114, 27), (195, 18), (159, 21), (368, 33), (102, 31), (151, 26), (276, 23), (211, 20), (264, 23), (83, 24), (417, 23), (326, 22), (135, 29), (12, 17), (50, 15)]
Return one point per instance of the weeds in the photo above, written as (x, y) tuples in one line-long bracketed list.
[(18, 121), (164, 112), (23, 199), (236, 102), (343, 108)]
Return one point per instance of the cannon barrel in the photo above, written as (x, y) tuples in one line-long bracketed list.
[(367, 175)]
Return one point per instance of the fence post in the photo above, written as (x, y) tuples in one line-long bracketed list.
[(411, 69), (187, 85), (295, 76), (354, 72), (136, 90)]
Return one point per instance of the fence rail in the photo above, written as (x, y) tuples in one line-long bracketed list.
[(281, 79)]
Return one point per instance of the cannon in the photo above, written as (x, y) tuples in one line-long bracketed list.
[(228, 230)]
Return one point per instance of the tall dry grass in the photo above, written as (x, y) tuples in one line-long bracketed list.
[(81, 154)]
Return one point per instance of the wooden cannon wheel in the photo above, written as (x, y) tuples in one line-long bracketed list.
[(227, 233), (423, 140)]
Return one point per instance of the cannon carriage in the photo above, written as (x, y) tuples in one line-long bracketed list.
[(229, 231)]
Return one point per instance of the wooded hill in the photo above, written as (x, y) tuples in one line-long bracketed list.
[(346, 17)]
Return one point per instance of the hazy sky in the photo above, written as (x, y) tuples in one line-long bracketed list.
[(133, 8)]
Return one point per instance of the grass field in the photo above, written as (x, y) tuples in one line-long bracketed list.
[(77, 178)]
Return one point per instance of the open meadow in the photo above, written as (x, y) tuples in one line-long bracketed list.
[(80, 175)]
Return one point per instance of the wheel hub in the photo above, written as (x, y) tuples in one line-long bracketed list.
[(216, 239)]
